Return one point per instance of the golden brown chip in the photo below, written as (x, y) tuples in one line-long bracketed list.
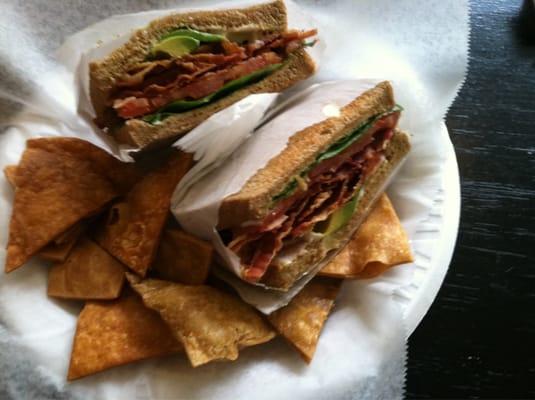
[(301, 321), (183, 258), (57, 252), (211, 324), (60, 181), (60, 247), (117, 332), (379, 243), (88, 273), (10, 172), (71, 234), (133, 230), (122, 175)]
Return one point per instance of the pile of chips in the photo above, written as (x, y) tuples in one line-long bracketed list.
[(106, 228)]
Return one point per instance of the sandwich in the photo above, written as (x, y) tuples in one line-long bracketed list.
[(304, 205), (179, 70)]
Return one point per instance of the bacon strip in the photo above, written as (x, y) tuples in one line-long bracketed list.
[(197, 89), (152, 85), (327, 191), (270, 244), (136, 76)]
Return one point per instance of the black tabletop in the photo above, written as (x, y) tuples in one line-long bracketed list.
[(478, 339)]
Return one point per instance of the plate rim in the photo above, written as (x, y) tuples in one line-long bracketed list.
[(425, 292)]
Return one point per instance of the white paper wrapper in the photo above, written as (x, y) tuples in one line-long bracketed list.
[(104, 38), (214, 141), (421, 46), (196, 207)]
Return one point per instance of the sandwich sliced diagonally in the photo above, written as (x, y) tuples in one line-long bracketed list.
[(181, 69), (309, 199)]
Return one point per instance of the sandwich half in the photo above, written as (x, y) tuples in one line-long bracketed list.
[(307, 202), (181, 69)]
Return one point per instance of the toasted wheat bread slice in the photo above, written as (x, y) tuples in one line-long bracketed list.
[(254, 200), (263, 18), (284, 276)]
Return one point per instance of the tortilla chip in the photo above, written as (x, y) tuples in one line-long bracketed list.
[(88, 273), (211, 324), (10, 172), (133, 230), (60, 181), (183, 258), (379, 243), (117, 332), (301, 321), (71, 234), (57, 252), (59, 249)]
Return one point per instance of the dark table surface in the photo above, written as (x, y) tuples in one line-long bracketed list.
[(478, 339)]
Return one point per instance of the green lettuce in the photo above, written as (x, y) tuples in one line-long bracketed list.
[(184, 105), (333, 150)]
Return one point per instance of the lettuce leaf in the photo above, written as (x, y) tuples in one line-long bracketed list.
[(185, 105), (335, 149)]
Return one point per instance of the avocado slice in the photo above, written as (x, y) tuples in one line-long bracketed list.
[(202, 37), (338, 219), (176, 46)]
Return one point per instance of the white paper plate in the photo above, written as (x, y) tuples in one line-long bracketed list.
[(429, 272)]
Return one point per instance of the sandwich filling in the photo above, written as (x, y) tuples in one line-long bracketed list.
[(320, 200), (187, 69)]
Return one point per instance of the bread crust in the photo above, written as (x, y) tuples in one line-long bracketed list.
[(253, 201), (263, 18), (284, 276)]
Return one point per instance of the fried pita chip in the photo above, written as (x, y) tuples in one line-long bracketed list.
[(59, 182), (89, 273), (379, 243), (211, 324), (59, 249), (117, 332), (57, 252), (183, 258), (71, 234), (301, 321), (133, 230), (10, 172)]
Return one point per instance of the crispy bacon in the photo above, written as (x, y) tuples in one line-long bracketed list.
[(231, 48), (199, 88), (153, 84), (177, 72), (137, 75), (331, 185), (268, 247), (291, 37), (299, 35)]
